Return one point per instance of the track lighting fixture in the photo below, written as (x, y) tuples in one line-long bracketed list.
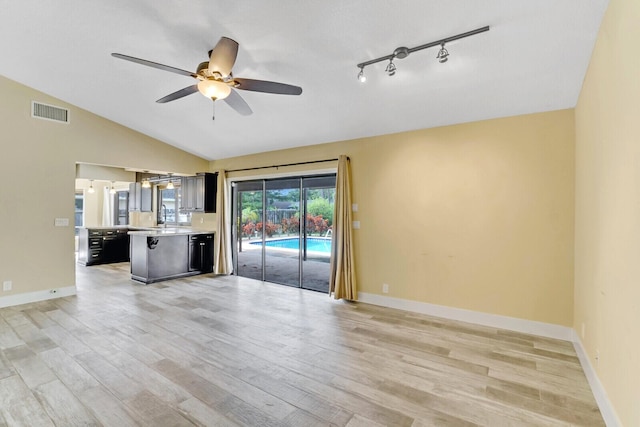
[(91, 190), (146, 183), (403, 52), (443, 54), (361, 77), (112, 190), (170, 184)]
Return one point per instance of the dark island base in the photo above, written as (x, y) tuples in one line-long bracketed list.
[(155, 258)]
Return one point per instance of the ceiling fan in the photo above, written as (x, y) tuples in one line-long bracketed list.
[(215, 79)]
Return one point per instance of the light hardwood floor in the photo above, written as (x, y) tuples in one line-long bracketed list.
[(233, 351)]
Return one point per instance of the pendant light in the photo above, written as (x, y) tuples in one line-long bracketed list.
[(91, 190), (113, 190), (170, 184)]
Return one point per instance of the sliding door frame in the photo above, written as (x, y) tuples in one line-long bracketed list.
[(236, 233)]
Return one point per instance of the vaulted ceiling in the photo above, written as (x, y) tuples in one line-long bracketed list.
[(533, 59)]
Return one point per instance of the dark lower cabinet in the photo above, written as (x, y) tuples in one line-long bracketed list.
[(102, 246), (201, 253)]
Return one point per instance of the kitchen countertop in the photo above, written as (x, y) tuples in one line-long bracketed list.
[(109, 227), (153, 231), (169, 231)]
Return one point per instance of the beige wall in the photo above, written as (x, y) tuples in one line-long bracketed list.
[(607, 267), (38, 171), (476, 216)]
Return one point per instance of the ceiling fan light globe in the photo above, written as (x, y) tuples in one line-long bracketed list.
[(214, 89)]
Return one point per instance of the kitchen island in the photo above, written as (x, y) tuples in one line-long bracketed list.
[(169, 253)]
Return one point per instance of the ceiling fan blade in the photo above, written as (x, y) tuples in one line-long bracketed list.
[(268, 87), (154, 65), (223, 56), (178, 94), (235, 101)]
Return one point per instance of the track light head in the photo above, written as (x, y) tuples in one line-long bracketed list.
[(361, 77), (443, 54), (391, 68)]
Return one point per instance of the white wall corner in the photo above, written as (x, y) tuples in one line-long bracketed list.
[(606, 408), (28, 297)]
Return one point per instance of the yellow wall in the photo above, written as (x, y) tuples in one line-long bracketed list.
[(476, 216), (607, 266), (38, 171)]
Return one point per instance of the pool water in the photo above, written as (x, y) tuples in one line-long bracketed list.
[(315, 244)]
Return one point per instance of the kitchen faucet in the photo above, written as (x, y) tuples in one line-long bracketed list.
[(164, 216)]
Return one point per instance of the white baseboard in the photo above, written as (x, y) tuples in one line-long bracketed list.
[(36, 296), (532, 327), (606, 409)]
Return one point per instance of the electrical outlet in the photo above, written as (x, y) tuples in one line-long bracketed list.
[(7, 285), (356, 225), (385, 288)]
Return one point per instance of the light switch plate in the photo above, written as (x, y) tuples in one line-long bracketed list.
[(356, 224), (62, 222), (7, 285), (354, 207)]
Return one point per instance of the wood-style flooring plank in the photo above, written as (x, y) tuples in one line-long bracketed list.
[(18, 405), (108, 410), (201, 414), (62, 406)]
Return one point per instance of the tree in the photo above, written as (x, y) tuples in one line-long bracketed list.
[(321, 207), (250, 215)]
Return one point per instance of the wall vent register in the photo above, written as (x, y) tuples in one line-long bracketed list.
[(49, 112)]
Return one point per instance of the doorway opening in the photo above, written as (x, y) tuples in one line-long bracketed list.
[(282, 230)]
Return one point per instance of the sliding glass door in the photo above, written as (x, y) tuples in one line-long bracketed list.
[(247, 213), (282, 230), (318, 202)]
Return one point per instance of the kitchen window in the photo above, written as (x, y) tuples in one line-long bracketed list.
[(168, 207)]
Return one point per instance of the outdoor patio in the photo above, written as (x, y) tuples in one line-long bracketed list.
[(281, 266)]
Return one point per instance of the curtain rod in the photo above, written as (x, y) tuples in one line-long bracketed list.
[(281, 166)]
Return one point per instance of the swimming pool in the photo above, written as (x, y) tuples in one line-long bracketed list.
[(315, 244)]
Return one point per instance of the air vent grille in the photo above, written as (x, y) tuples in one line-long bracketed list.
[(49, 112)]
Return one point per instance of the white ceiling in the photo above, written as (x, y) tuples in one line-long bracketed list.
[(533, 59)]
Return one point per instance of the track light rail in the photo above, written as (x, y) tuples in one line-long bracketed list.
[(406, 51)]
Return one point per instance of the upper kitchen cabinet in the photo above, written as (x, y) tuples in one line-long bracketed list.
[(199, 193), (140, 199)]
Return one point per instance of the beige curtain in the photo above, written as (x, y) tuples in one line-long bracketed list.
[(223, 263), (342, 282)]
